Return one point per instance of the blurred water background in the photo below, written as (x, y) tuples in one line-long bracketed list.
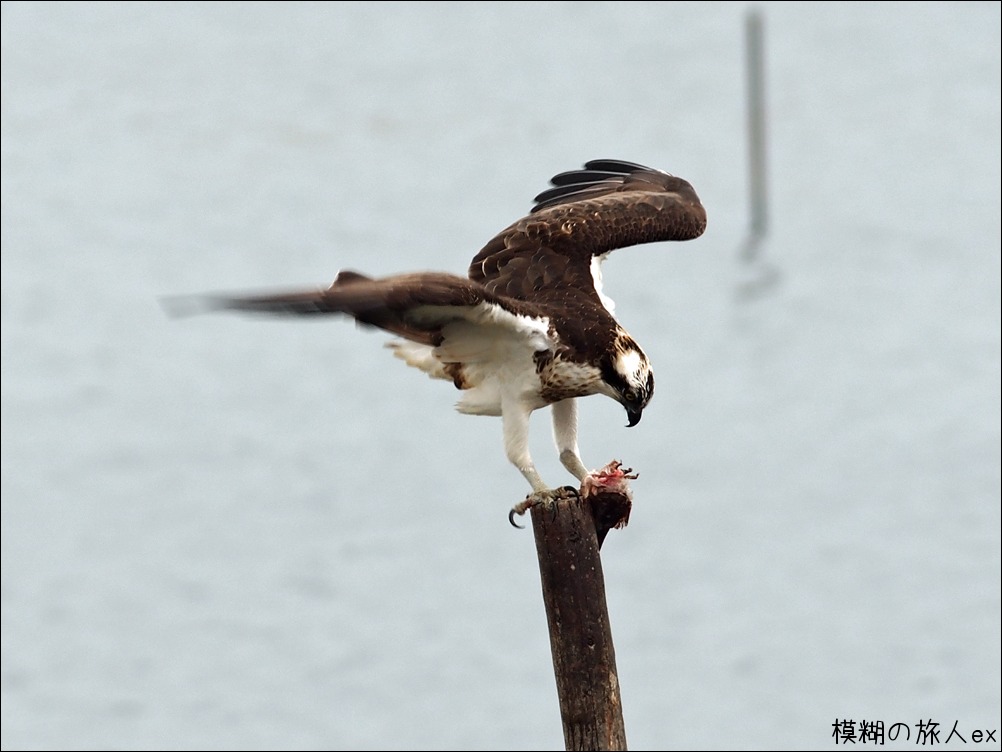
[(226, 533)]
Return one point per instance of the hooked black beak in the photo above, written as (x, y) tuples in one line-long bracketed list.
[(633, 415)]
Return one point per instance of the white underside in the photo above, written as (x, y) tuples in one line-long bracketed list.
[(496, 349)]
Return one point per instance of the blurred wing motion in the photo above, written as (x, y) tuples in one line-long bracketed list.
[(530, 325)]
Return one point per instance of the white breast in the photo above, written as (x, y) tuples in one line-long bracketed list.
[(596, 275)]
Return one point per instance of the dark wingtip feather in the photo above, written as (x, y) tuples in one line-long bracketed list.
[(617, 166), (597, 176), (550, 195), (294, 303), (583, 176)]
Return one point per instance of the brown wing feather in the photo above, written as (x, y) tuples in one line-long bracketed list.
[(608, 205), (389, 303)]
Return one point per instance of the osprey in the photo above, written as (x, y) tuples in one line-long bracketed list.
[(529, 326)]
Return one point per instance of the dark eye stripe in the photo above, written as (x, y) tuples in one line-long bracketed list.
[(613, 377)]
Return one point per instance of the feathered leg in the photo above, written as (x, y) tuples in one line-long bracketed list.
[(515, 423), (565, 434)]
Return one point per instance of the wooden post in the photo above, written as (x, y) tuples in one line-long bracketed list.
[(584, 660)]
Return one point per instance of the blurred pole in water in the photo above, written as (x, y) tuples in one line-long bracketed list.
[(759, 275), (756, 127)]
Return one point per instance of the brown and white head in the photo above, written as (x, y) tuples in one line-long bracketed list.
[(627, 377)]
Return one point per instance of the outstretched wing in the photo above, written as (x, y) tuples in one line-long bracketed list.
[(586, 214), (414, 306)]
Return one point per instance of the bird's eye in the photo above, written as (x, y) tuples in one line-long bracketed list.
[(630, 395)]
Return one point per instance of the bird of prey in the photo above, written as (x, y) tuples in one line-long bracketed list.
[(529, 326)]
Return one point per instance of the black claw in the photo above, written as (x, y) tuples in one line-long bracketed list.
[(511, 519)]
